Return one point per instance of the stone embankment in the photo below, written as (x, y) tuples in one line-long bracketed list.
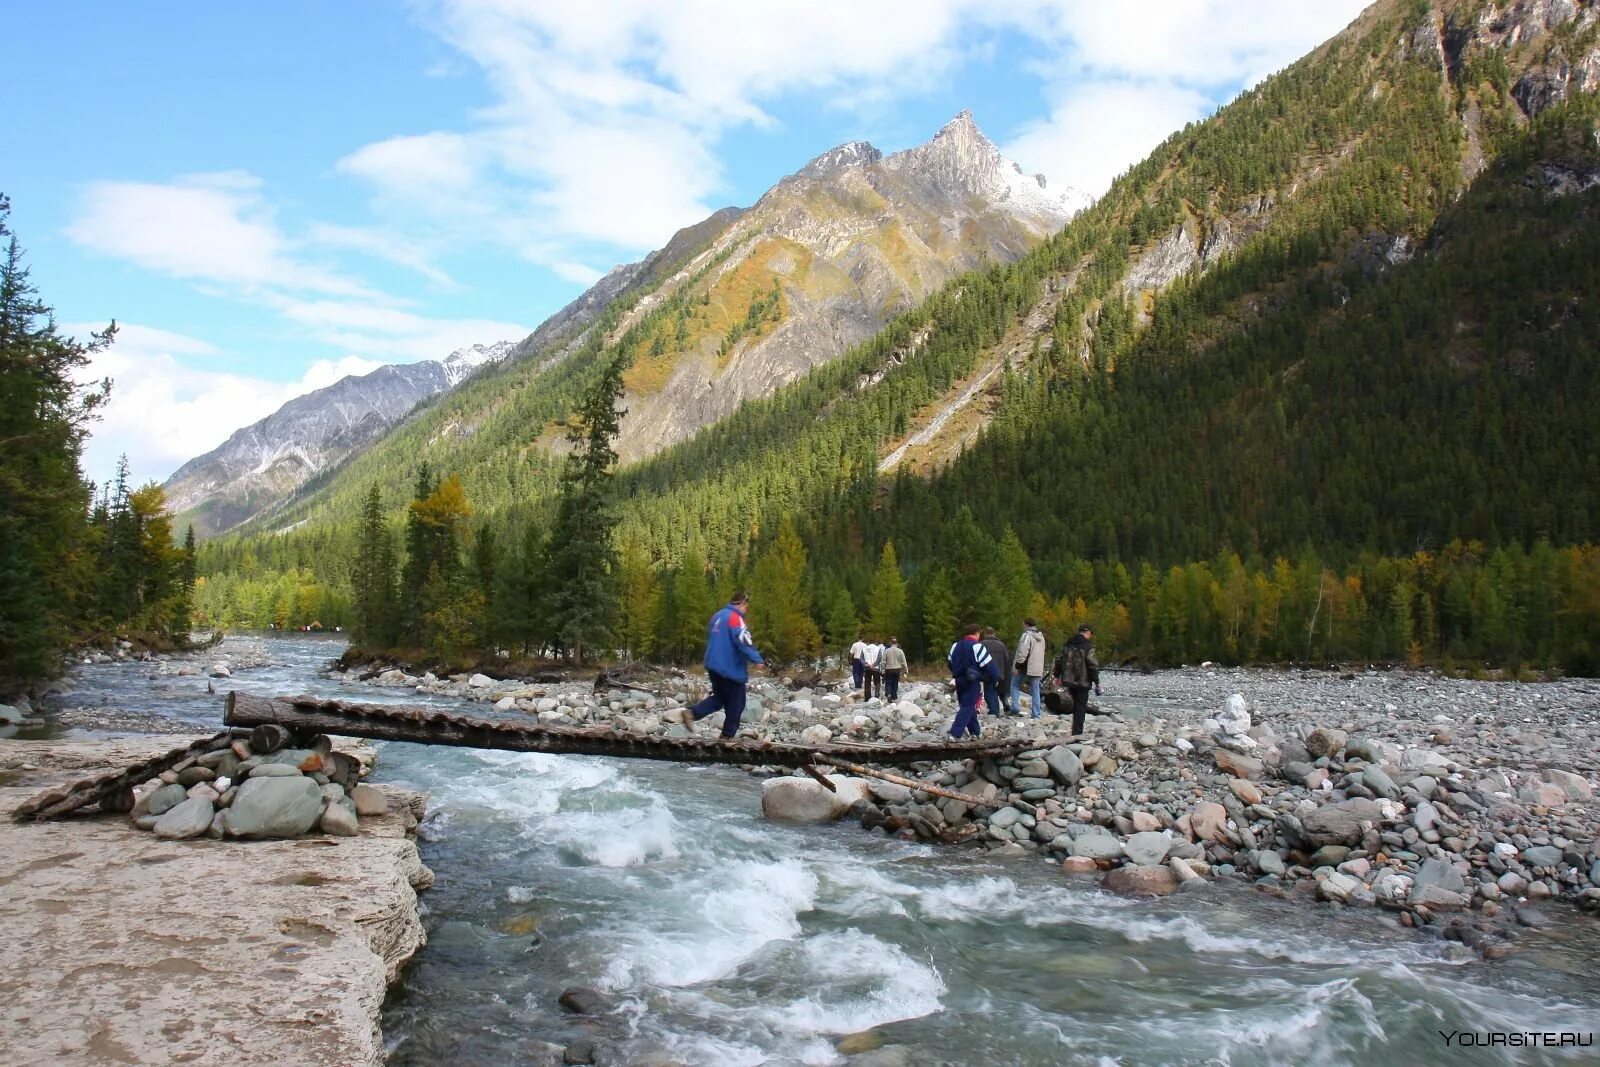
[(130, 947), (1457, 804)]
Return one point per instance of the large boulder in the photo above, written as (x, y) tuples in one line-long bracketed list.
[(274, 807), (806, 800), (1240, 766), (166, 798), (1209, 820), (1325, 741), (1141, 881), (1147, 849), (1065, 766), (1343, 823), (1576, 786), (1095, 846), (192, 818)]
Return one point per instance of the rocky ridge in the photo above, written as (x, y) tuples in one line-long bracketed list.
[(261, 465)]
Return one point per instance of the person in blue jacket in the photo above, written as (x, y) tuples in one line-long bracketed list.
[(971, 666), (729, 653)]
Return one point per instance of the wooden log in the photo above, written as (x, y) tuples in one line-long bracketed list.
[(819, 776), (268, 738), (909, 783), (113, 787), (436, 726)]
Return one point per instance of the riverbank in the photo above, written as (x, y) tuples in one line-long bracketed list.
[(123, 947), (1454, 804)]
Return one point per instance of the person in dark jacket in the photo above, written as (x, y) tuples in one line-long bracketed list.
[(1077, 670), (971, 666), (729, 653), (995, 696)]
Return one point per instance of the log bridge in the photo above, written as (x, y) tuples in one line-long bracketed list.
[(305, 717)]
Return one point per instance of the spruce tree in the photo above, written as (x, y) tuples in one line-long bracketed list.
[(940, 616), (886, 604), (375, 624), (640, 609), (840, 624), (780, 608), (583, 554)]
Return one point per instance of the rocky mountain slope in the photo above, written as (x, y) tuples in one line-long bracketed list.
[(730, 309), (1354, 309), (262, 464)]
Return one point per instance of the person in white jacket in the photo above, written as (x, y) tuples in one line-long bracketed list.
[(858, 666), (872, 671), (1029, 662)]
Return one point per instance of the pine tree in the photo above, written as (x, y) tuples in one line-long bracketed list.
[(373, 579), (44, 415), (840, 624), (1014, 585), (780, 606), (183, 609), (939, 614), (693, 604), (583, 554), (886, 603), (641, 602)]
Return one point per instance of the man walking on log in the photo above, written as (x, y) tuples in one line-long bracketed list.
[(893, 663), (1029, 664), (1077, 669), (729, 653), (971, 666)]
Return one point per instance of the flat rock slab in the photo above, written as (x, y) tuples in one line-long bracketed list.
[(122, 947)]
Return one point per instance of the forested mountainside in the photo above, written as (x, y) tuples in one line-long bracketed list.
[(1348, 321), (732, 309), (261, 465)]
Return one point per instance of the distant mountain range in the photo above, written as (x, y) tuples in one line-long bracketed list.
[(730, 309), (262, 464)]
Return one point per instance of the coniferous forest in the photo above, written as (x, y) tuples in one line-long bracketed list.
[(1362, 432), (76, 566)]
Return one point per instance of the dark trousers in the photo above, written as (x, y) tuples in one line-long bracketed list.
[(872, 678), (994, 696), (1080, 705), (727, 696), (856, 669), (966, 712), (891, 685)]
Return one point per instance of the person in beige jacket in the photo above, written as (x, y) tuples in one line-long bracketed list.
[(1028, 661), (892, 663)]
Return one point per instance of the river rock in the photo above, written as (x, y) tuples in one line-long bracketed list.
[(1096, 846), (1079, 865), (816, 735), (1141, 881), (1378, 780), (1143, 821), (1147, 849), (339, 819), (802, 800), (1436, 873), (10, 715), (1339, 824), (220, 670), (1576, 786), (1005, 818), (1239, 765), (1536, 856), (369, 800), (274, 770), (275, 807), (1325, 741), (1338, 887), (581, 1000), (1209, 821), (1234, 718), (1266, 861), (1246, 791), (192, 818), (166, 798)]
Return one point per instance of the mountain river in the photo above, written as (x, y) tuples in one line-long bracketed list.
[(724, 939)]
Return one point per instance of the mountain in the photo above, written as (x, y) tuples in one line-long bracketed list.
[(262, 464), (1355, 310), (731, 309)]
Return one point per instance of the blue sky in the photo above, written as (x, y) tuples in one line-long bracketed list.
[(269, 196)]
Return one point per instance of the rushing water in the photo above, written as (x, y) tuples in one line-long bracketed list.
[(725, 940)]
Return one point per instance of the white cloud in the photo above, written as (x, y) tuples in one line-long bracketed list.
[(204, 227), (382, 244), (166, 407), (1119, 85), (577, 272), (391, 334)]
